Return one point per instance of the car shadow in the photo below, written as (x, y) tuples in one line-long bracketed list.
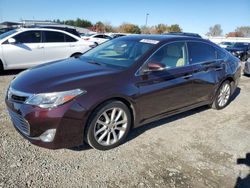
[(83, 147), (235, 94), (243, 182), (140, 130), (10, 72)]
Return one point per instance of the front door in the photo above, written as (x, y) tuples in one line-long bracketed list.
[(28, 50), (167, 90)]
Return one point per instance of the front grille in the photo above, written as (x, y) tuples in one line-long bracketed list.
[(18, 98), (20, 123)]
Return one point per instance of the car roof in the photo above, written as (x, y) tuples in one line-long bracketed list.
[(162, 38), (44, 29)]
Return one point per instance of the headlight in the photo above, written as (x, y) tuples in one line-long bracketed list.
[(239, 52), (51, 100)]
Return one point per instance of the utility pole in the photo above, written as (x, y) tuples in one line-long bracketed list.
[(147, 19)]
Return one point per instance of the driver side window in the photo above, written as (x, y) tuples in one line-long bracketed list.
[(28, 37), (171, 55)]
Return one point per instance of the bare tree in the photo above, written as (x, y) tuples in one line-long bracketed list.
[(244, 30), (215, 30)]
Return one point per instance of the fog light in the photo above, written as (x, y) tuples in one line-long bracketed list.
[(48, 136)]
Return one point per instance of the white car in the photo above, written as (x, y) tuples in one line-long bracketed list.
[(28, 47), (225, 44), (96, 38)]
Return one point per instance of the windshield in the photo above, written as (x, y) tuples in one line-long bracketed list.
[(121, 53), (6, 34), (238, 44)]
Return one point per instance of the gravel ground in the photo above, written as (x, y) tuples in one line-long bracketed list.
[(199, 148)]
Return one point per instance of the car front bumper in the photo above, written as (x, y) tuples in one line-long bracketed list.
[(32, 122)]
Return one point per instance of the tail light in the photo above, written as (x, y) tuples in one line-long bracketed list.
[(86, 39)]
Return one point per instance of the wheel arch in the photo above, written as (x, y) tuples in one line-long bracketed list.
[(124, 100)]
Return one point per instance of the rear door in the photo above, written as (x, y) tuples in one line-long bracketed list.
[(55, 46), (26, 52), (170, 89), (208, 70)]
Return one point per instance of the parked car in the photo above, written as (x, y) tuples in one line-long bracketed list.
[(96, 38), (246, 69), (116, 35), (4, 30), (119, 85), (69, 30), (27, 47), (225, 44), (183, 34), (240, 50)]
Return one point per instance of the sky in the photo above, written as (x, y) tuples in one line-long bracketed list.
[(192, 15)]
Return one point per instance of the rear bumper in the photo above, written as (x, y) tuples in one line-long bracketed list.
[(68, 120)]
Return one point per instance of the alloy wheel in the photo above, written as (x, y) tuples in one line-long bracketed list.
[(110, 126), (224, 95)]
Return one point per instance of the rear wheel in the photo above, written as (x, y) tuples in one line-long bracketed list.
[(222, 97), (109, 125)]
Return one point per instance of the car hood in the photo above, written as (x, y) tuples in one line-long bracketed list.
[(63, 75)]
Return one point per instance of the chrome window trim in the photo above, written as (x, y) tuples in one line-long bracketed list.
[(213, 46), (137, 73)]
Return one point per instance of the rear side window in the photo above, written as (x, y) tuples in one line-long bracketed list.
[(200, 52), (53, 36), (99, 36), (28, 37), (69, 38)]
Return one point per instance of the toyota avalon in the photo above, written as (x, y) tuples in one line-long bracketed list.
[(122, 84)]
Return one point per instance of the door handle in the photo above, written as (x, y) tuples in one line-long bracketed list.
[(40, 47), (187, 76), (72, 45)]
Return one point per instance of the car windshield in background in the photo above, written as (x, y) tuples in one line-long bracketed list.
[(119, 53), (238, 44), (6, 34)]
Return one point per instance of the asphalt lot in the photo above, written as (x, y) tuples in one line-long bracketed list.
[(199, 148)]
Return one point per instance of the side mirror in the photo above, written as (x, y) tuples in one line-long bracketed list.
[(153, 66), (11, 41)]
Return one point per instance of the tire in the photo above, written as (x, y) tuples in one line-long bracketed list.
[(96, 43), (102, 131), (1, 67), (222, 97), (76, 55), (244, 57)]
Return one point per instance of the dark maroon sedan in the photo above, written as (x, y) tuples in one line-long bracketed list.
[(122, 84)]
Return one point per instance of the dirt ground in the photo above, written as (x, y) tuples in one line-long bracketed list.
[(199, 148)]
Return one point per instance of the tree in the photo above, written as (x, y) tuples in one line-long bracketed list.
[(129, 28), (215, 30), (99, 27), (174, 28), (244, 30), (79, 23), (234, 34), (161, 28)]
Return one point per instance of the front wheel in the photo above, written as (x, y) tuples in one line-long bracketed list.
[(109, 125), (222, 97)]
